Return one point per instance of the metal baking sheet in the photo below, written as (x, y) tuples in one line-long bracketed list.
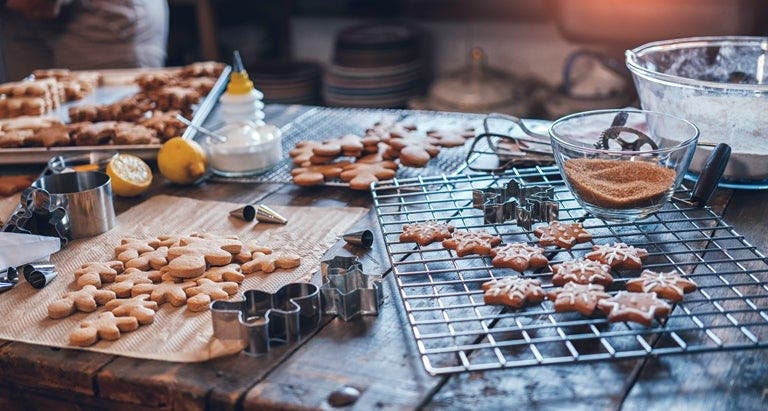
[(106, 95)]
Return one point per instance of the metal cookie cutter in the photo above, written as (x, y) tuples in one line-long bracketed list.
[(347, 291), (263, 319), (39, 213), (515, 202)]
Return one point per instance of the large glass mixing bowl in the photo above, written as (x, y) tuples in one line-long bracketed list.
[(721, 85)]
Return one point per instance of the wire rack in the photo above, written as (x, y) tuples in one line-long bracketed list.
[(325, 123), (456, 332)]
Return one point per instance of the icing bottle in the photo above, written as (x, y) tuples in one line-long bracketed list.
[(241, 101)]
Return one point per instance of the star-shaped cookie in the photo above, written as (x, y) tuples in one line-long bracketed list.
[(581, 271), (562, 235), (619, 256), (640, 308), (518, 256), (667, 285), (582, 298), (471, 242), (513, 291), (426, 233)]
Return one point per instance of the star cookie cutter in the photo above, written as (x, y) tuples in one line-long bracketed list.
[(522, 204), (347, 291), (264, 319), (38, 213)]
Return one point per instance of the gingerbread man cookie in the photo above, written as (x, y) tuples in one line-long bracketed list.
[(268, 263), (96, 273), (518, 256), (137, 307), (131, 248), (640, 308), (581, 271), (619, 256), (451, 137), (361, 175), (668, 285), (228, 273), (513, 292), (414, 151), (131, 276), (562, 235), (303, 151), (85, 300), (312, 175), (164, 292), (582, 298), (246, 253), (104, 327), (426, 233), (191, 257), (468, 242), (199, 297), (155, 259)]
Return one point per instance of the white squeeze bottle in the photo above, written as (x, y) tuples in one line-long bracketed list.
[(241, 101)]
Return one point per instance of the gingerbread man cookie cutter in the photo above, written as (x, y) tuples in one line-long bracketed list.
[(39, 213), (516, 202), (264, 319), (347, 291)]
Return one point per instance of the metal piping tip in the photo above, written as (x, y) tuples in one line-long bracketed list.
[(360, 238), (246, 213), (39, 279), (264, 214)]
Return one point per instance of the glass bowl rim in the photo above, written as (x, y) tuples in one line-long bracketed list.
[(632, 60), (592, 150)]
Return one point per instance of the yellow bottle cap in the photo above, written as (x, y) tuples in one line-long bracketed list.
[(239, 83)]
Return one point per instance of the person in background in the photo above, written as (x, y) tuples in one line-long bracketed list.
[(82, 34)]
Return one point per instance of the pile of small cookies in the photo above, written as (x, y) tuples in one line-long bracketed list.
[(46, 92), (147, 273), (148, 117), (375, 156), (578, 285)]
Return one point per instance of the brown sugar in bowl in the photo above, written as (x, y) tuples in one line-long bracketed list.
[(617, 184)]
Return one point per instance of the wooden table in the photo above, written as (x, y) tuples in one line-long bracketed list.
[(377, 355)]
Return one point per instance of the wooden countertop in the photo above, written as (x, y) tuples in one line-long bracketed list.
[(377, 355)]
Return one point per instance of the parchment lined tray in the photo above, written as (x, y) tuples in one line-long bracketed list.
[(176, 334)]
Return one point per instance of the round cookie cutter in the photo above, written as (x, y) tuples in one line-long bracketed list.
[(86, 196)]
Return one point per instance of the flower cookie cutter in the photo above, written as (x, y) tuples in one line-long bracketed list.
[(516, 202), (264, 319), (347, 291)]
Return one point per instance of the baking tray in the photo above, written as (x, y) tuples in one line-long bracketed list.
[(105, 95)]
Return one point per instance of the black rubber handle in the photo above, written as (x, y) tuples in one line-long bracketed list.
[(710, 175)]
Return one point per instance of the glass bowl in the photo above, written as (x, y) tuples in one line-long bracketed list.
[(721, 85), (614, 182)]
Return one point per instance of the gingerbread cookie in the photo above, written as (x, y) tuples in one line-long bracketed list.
[(199, 297), (384, 131), (85, 300), (348, 145), (96, 273), (303, 151), (93, 134), (619, 256), (518, 256), (312, 175), (175, 98), (581, 271), (54, 136), (133, 134), (562, 235), (165, 124), (582, 298), (640, 308), (137, 307), (228, 273), (268, 263), (166, 241), (426, 233), (469, 242), (131, 248), (10, 185), (191, 257), (131, 276), (246, 253), (15, 138), (513, 292), (451, 137), (668, 285), (104, 327), (413, 151), (156, 259), (361, 175), (161, 293)]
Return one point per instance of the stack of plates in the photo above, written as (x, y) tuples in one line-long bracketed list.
[(287, 82), (375, 65)]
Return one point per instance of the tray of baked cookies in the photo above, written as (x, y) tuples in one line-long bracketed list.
[(61, 112)]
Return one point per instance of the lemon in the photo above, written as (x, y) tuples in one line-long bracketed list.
[(182, 161), (130, 175)]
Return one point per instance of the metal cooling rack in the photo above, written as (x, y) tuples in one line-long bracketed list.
[(456, 332), (321, 123)]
